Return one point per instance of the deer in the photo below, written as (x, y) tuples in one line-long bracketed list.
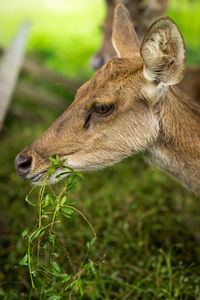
[(143, 13), (130, 105)]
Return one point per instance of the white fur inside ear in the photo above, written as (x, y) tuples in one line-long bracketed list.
[(148, 74), (115, 47)]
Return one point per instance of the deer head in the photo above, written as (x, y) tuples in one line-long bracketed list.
[(143, 13), (113, 115)]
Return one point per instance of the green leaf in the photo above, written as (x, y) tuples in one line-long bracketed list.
[(24, 260), (66, 216), (56, 269), (67, 212), (61, 174), (57, 157), (52, 202), (35, 234), (51, 169), (79, 175), (90, 243), (80, 285), (70, 169), (66, 278), (53, 160), (46, 201), (24, 233), (29, 202), (63, 200)]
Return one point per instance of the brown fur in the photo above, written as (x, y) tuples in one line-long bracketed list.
[(148, 115), (177, 149), (191, 83)]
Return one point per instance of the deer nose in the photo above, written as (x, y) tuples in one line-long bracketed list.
[(97, 61), (23, 165)]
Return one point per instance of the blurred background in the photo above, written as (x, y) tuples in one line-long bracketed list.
[(148, 244)]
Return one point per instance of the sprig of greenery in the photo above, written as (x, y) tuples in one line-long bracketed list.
[(45, 256)]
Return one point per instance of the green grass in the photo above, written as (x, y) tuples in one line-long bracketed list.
[(187, 16), (147, 225)]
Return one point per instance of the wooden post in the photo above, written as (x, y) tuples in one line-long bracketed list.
[(10, 67)]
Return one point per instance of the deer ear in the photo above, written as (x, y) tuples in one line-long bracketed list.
[(124, 37), (163, 52)]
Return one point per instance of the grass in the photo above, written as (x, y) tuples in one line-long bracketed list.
[(147, 225), (186, 14)]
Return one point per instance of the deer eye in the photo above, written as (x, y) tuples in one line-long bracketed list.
[(103, 109)]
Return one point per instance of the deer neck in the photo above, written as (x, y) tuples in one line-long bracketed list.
[(177, 149)]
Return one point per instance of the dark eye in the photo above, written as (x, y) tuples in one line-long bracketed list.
[(100, 109), (103, 109)]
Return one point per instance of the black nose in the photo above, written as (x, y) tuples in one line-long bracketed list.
[(97, 61), (23, 165)]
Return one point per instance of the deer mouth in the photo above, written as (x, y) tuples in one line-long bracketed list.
[(37, 177)]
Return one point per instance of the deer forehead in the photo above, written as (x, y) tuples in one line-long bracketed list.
[(116, 77)]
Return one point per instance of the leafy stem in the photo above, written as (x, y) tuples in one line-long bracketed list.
[(45, 250), (57, 207)]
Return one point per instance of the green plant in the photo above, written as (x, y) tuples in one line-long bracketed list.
[(46, 256)]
